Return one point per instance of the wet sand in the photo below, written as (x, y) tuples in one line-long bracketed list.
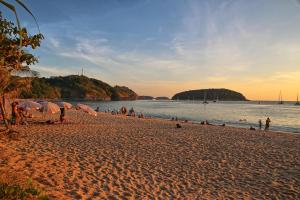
[(118, 157)]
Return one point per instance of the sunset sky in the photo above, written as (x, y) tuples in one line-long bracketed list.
[(160, 47)]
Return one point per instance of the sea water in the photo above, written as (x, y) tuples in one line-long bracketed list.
[(284, 117)]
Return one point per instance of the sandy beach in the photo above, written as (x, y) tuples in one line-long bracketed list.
[(119, 157)]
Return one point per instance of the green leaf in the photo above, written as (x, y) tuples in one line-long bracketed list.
[(12, 8), (25, 7)]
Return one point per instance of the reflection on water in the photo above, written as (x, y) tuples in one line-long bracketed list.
[(285, 117)]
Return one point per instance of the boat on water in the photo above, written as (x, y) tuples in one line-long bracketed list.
[(297, 102), (216, 99), (205, 99), (280, 101)]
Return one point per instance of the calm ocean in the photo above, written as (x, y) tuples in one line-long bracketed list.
[(285, 117)]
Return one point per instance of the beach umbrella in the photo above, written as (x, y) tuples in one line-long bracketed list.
[(87, 109), (63, 104), (30, 105), (49, 107)]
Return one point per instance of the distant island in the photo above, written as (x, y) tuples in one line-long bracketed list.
[(152, 98), (75, 87), (145, 98), (162, 98), (210, 95)]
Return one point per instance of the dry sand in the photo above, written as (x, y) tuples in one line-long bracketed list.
[(118, 157)]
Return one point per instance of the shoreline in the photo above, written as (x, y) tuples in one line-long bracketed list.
[(219, 125), (226, 125), (284, 127)]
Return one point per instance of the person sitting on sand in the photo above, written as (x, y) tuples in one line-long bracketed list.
[(141, 115), (252, 129), (62, 115), (267, 126), (97, 109), (178, 126), (113, 112)]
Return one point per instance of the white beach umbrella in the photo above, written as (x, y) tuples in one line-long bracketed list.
[(63, 104), (30, 105), (87, 109), (49, 107)]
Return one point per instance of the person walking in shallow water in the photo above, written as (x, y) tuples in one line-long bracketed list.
[(260, 124), (267, 126)]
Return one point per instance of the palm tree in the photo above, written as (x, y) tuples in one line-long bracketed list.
[(13, 9), (13, 58)]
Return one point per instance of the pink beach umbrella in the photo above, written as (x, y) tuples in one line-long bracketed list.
[(65, 105), (87, 109), (30, 105), (49, 107)]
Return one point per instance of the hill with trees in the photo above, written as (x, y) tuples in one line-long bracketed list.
[(210, 95), (75, 87)]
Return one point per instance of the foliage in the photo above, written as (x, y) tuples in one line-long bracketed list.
[(11, 192), (210, 94), (40, 88), (124, 93), (13, 9), (13, 57), (76, 87)]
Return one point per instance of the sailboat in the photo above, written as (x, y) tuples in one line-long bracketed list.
[(204, 100), (297, 102), (280, 98), (217, 99)]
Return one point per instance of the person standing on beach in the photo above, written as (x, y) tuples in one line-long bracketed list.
[(260, 124), (62, 115), (267, 126), (15, 113)]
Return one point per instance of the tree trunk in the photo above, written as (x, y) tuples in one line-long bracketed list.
[(3, 113)]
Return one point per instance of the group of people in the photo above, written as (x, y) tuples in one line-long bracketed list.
[(260, 124), (19, 115), (267, 125), (131, 112), (123, 111)]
